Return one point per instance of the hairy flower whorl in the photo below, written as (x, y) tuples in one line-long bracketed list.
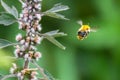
[(29, 22)]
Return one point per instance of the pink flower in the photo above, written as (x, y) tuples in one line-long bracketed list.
[(38, 39), (19, 37), (32, 30), (37, 55), (12, 70), (34, 73), (26, 56), (14, 65), (16, 52), (39, 27), (22, 41), (38, 16)]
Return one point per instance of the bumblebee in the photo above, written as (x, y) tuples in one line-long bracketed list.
[(83, 31)]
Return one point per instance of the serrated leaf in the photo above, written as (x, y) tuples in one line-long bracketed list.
[(58, 7), (5, 43), (54, 41), (7, 19), (10, 10), (49, 76), (55, 15), (56, 33)]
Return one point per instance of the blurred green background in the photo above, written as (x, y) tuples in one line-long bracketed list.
[(94, 58)]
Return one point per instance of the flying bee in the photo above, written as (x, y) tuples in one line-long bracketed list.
[(83, 31)]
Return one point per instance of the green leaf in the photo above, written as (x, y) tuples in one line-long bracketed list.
[(58, 7), (10, 10), (5, 6), (7, 19), (54, 41), (56, 33), (50, 36), (14, 12), (52, 32), (55, 15), (59, 34), (5, 43), (49, 76)]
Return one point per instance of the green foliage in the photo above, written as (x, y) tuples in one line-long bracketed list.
[(10, 16), (56, 8), (51, 37), (56, 33), (54, 41), (13, 11), (5, 43), (95, 58), (1, 76), (49, 76), (55, 15), (5, 61), (7, 19)]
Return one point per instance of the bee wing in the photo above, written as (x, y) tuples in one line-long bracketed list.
[(93, 30), (80, 22)]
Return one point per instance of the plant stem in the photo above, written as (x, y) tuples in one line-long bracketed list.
[(40, 69), (8, 76), (26, 64)]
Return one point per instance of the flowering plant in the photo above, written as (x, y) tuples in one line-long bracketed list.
[(25, 48)]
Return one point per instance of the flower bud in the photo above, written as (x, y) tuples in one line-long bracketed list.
[(19, 37), (37, 55)]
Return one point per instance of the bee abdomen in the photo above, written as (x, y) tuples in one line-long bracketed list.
[(82, 33)]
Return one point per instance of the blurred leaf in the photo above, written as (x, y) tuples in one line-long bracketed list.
[(58, 7), (13, 11), (50, 77), (5, 60), (5, 43), (55, 15), (1, 76), (55, 33), (7, 19), (54, 41)]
